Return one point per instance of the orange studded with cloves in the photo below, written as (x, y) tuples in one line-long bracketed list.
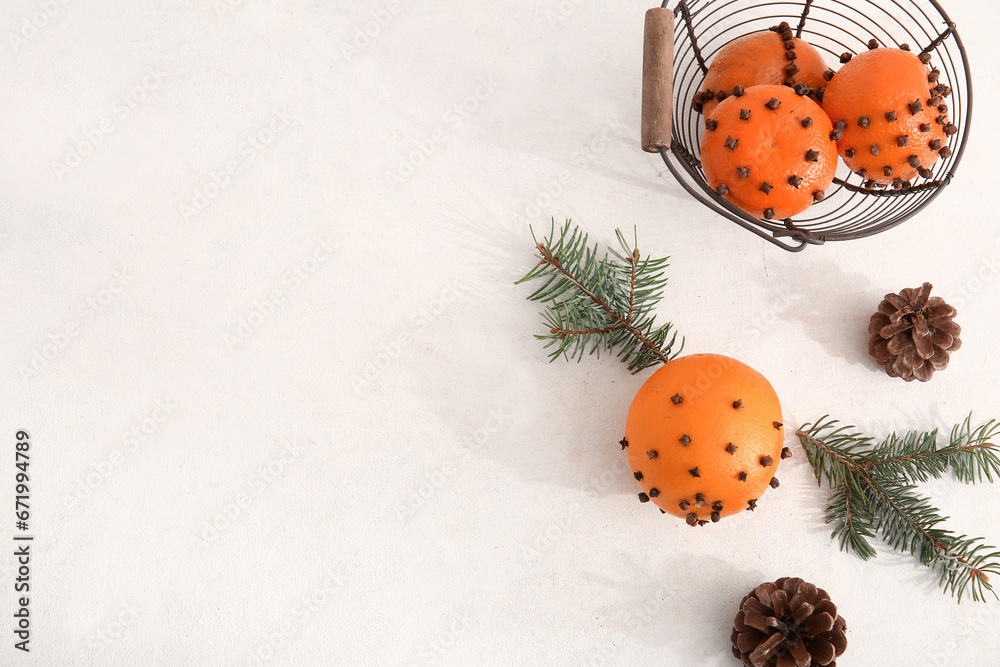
[(704, 438), (771, 152), (894, 115), (771, 57)]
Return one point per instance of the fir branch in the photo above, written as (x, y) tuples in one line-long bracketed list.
[(833, 463), (596, 302), (849, 510), (915, 457), (975, 457), (873, 492)]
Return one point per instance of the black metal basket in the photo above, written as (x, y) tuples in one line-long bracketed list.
[(850, 210)]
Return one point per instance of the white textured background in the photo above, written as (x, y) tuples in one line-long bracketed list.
[(350, 449)]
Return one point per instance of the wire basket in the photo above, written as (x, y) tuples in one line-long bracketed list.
[(850, 210)]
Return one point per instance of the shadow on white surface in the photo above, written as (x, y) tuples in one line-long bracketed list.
[(833, 308)]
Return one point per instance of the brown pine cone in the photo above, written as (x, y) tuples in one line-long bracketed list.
[(788, 623), (913, 334)]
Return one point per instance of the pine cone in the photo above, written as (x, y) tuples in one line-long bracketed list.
[(913, 334), (788, 623)]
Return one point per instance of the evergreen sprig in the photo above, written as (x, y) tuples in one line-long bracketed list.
[(874, 494), (598, 301)]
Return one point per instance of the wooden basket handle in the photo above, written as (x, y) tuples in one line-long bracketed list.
[(657, 80)]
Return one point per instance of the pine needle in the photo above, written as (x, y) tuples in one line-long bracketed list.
[(874, 492), (598, 302)]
